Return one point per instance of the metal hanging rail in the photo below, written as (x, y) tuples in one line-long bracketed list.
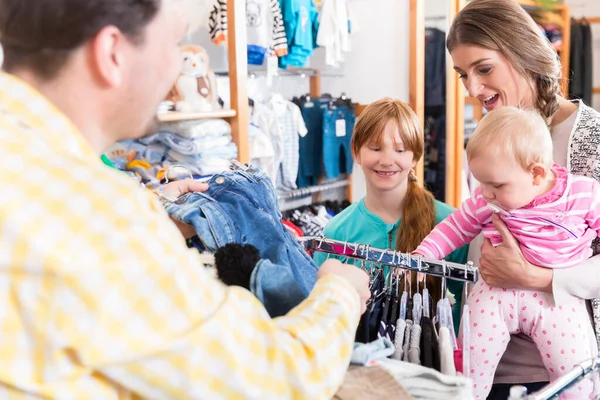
[(441, 268)]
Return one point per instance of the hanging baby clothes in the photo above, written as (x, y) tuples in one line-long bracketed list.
[(217, 22), (311, 146), (264, 25), (300, 19), (264, 119), (333, 33), (262, 154), (292, 127), (338, 124)]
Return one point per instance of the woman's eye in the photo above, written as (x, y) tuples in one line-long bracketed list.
[(462, 76), (485, 71)]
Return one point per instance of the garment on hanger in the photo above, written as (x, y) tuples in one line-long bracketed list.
[(338, 124), (333, 33), (226, 216), (265, 31), (581, 61), (311, 145), (263, 118), (301, 22), (435, 67), (217, 22), (292, 127), (446, 352)]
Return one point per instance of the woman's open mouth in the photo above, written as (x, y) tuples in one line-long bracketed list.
[(490, 102)]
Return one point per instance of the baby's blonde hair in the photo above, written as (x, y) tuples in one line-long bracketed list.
[(510, 131)]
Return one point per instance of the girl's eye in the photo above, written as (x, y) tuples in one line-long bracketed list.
[(375, 149), (498, 186), (399, 150)]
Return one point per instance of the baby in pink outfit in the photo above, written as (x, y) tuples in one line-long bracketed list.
[(554, 215)]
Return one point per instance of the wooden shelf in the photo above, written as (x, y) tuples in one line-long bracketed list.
[(181, 116)]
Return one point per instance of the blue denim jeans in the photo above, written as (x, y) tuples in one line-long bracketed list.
[(337, 153), (242, 207), (275, 287), (311, 145)]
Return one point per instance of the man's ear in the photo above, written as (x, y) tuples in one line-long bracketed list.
[(538, 172), (108, 55)]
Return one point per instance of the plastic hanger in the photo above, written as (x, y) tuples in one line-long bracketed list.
[(404, 299), (425, 291), (417, 306)]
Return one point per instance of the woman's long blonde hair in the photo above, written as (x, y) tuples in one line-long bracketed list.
[(504, 26), (418, 213)]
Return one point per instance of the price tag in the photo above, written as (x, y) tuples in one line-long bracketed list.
[(272, 69), (340, 128)]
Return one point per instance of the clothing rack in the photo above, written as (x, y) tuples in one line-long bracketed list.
[(440, 268), (580, 371), (296, 193), (436, 18)]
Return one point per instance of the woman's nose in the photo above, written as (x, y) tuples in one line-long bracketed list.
[(474, 87)]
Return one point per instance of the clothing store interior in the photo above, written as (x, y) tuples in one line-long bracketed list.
[(334, 233)]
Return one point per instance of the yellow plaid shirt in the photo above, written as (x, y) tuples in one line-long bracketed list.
[(101, 299)]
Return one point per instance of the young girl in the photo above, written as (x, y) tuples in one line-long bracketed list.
[(552, 214), (396, 212)]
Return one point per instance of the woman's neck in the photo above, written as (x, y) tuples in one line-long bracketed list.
[(386, 204), (565, 109)]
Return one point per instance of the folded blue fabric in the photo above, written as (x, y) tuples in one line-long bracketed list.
[(379, 349)]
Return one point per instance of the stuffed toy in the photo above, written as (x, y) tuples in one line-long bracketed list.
[(196, 87)]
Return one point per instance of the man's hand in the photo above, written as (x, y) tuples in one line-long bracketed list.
[(505, 266), (179, 188), (356, 276)]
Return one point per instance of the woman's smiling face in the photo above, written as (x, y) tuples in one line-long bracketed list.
[(490, 77)]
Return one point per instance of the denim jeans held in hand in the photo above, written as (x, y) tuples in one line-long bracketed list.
[(242, 207), (337, 154)]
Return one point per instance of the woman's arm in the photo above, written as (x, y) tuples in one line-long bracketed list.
[(505, 266)]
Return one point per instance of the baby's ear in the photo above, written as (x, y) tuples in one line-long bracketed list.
[(538, 172)]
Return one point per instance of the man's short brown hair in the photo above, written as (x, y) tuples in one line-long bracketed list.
[(39, 35)]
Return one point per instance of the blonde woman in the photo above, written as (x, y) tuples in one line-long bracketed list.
[(503, 60)]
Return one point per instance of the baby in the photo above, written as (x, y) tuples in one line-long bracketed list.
[(554, 216)]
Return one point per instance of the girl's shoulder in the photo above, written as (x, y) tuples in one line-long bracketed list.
[(442, 210)]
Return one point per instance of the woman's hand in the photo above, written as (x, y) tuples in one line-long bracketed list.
[(505, 266), (179, 188)]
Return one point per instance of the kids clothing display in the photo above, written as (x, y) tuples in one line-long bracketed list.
[(264, 26), (555, 230), (356, 224)]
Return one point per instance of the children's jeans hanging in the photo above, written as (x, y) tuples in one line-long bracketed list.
[(338, 124), (242, 207), (311, 145)]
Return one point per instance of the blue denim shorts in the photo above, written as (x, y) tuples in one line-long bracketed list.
[(242, 207)]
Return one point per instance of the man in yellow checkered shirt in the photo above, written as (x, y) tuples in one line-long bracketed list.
[(99, 296)]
